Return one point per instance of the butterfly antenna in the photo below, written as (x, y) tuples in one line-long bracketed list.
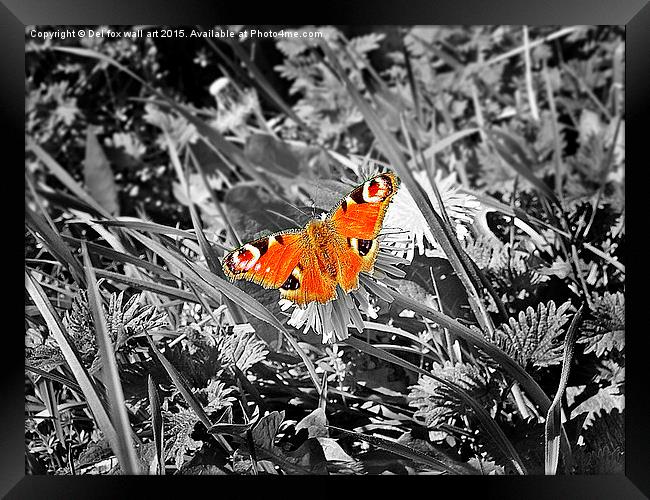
[(283, 217), (295, 207)]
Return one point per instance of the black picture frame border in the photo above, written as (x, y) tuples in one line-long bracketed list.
[(634, 14)]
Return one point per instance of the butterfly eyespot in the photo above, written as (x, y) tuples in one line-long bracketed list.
[(292, 283), (364, 247), (243, 259), (377, 189)]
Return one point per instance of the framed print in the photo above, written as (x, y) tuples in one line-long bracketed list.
[(390, 244)]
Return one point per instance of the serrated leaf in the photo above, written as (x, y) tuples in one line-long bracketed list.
[(606, 399), (531, 337)]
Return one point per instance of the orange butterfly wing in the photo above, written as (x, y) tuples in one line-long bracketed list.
[(284, 260), (361, 213), (356, 222), (266, 261)]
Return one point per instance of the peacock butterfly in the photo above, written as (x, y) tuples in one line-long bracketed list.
[(307, 264)]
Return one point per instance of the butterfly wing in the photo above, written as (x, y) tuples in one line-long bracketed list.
[(361, 213), (284, 260), (356, 223), (266, 261)]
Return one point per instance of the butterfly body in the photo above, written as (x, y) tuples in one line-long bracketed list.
[(307, 264)]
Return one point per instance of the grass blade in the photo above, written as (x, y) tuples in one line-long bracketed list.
[(515, 157), (54, 243), (125, 451), (151, 286), (66, 179), (149, 227), (552, 429), (53, 376), (156, 426), (409, 453)]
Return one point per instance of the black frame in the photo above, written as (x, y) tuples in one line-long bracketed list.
[(634, 14)]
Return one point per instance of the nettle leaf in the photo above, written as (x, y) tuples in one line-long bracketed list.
[(417, 292), (510, 268), (360, 46), (180, 428), (486, 467), (532, 337), (605, 330), (607, 398), (308, 458), (122, 320), (218, 394), (435, 404), (79, 324), (95, 452), (241, 348), (604, 449), (131, 318), (486, 251), (46, 356)]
